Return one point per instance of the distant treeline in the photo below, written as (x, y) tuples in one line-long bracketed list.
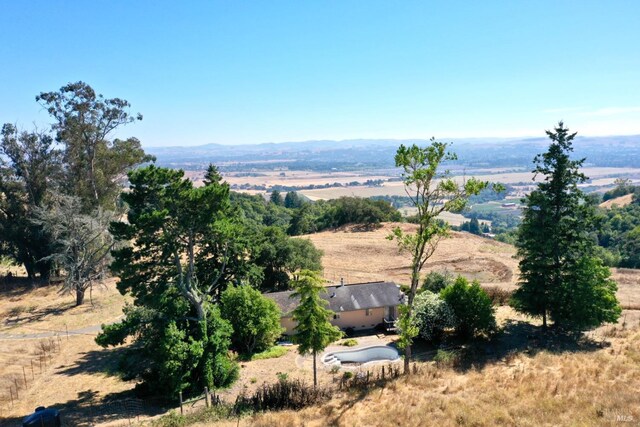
[(282, 188), (619, 231), (298, 216)]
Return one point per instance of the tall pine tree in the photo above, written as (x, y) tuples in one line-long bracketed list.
[(560, 276), (314, 331)]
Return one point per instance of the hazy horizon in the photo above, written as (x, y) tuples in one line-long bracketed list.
[(248, 73), (400, 140)]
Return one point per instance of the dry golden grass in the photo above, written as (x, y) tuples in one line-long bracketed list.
[(73, 377), (618, 201), (552, 389), (294, 178), (58, 370), (369, 256), (27, 310), (594, 383), (361, 256)]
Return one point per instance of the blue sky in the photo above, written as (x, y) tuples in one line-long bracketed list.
[(269, 71)]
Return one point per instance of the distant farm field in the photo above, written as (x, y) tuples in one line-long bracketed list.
[(600, 177)]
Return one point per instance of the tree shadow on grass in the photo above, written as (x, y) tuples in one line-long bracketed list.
[(19, 286), (104, 361), (523, 338), (38, 315), (89, 409)]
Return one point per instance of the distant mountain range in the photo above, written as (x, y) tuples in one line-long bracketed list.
[(616, 151)]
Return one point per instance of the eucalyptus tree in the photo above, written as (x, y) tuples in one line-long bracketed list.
[(84, 122), (30, 167)]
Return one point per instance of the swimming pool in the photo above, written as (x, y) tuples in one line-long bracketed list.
[(361, 355)]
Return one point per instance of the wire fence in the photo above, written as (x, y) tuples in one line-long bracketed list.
[(22, 371)]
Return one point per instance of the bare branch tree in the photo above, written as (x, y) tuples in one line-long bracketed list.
[(82, 245)]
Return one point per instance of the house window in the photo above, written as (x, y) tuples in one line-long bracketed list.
[(336, 316), (368, 312)]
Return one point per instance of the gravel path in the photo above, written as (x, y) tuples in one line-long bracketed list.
[(49, 333)]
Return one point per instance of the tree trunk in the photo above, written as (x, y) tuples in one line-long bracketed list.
[(31, 273), (407, 359), (415, 282), (79, 297), (544, 321), (315, 373)]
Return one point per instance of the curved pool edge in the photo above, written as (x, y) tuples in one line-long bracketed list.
[(328, 362)]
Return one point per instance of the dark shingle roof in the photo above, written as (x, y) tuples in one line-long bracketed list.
[(357, 296)]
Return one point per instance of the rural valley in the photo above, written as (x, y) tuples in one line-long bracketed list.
[(310, 214)]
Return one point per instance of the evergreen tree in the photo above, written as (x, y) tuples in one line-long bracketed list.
[(182, 247), (560, 277), (474, 226), (84, 123), (276, 198), (314, 332), (292, 200), (212, 175)]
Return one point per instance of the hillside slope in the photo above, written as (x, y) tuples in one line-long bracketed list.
[(588, 387), (618, 201), (361, 256)]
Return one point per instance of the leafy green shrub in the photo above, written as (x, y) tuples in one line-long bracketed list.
[(435, 281), (433, 315), (351, 342), (471, 306), (347, 375), (255, 319)]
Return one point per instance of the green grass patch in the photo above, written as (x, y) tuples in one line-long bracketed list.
[(447, 358), (349, 342), (272, 353), (205, 415)]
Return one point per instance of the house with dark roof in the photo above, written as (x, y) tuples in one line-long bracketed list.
[(356, 306)]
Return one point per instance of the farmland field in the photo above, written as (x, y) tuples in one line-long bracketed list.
[(601, 176)]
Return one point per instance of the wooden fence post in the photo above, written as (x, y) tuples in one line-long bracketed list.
[(11, 393), (206, 396), (181, 410), (15, 381), (24, 375), (33, 376)]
